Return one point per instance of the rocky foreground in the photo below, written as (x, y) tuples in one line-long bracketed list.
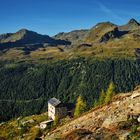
[(110, 122)]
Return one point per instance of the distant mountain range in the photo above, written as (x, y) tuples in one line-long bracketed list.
[(26, 37), (104, 33), (100, 32)]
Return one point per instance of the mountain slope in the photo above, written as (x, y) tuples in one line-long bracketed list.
[(103, 123), (93, 34), (130, 26), (25, 37), (98, 31), (102, 32), (73, 36), (108, 122)]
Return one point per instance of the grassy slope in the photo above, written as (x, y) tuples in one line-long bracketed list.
[(124, 47), (13, 130)]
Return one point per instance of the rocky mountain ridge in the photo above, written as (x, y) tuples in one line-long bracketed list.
[(99, 31), (26, 37), (130, 26)]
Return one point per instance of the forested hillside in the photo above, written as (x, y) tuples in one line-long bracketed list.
[(26, 87)]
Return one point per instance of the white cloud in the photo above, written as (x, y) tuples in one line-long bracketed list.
[(109, 11)]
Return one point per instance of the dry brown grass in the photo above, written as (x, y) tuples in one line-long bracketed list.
[(76, 134), (123, 47)]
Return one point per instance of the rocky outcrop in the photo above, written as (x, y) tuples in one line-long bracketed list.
[(130, 26), (100, 32), (111, 35)]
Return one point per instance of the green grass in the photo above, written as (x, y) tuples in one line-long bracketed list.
[(14, 129)]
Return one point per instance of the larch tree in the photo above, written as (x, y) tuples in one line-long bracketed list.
[(109, 93), (80, 106)]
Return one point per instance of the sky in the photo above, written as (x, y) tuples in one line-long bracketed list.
[(53, 16)]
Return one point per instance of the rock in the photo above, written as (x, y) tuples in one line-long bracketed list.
[(137, 108), (74, 127), (48, 134), (138, 119), (131, 106), (135, 95), (124, 136), (31, 121), (107, 123), (88, 137), (117, 103)]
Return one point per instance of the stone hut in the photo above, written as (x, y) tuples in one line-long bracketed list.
[(56, 109)]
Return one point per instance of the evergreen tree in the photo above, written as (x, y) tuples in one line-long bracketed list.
[(109, 93), (80, 106)]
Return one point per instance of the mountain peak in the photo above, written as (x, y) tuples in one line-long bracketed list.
[(133, 21), (23, 31), (104, 24)]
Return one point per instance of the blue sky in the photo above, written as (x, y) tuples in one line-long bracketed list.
[(54, 16)]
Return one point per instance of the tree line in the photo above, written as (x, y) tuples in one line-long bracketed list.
[(104, 98)]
